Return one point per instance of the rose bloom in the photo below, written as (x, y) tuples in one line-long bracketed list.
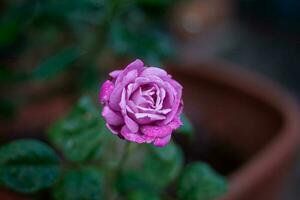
[(142, 104)]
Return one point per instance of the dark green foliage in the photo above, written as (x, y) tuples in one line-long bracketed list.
[(9, 76), (187, 127), (79, 135), (133, 186), (14, 21), (142, 194), (200, 182), (28, 166), (162, 165), (80, 184), (56, 64), (131, 39), (130, 181)]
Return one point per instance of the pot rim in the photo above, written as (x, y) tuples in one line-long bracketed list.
[(283, 145)]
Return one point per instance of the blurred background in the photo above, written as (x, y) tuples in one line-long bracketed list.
[(53, 51)]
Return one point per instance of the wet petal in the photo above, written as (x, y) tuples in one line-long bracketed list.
[(130, 77), (150, 71), (175, 123), (132, 125), (133, 137), (105, 91), (149, 116), (115, 97), (115, 74), (111, 117), (152, 111), (122, 103), (161, 142), (114, 129), (137, 65), (156, 131)]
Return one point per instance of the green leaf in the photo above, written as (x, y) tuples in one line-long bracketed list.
[(200, 182), (28, 166), (142, 195), (130, 181), (9, 31), (14, 21), (56, 64), (187, 127), (162, 165), (79, 135), (128, 41), (81, 184)]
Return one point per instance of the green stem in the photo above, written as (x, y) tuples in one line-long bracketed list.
[(123, 158), (120, 166)]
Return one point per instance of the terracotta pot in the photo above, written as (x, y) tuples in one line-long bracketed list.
[(248, 127)]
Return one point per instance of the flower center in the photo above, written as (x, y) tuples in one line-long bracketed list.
[(147, 96)]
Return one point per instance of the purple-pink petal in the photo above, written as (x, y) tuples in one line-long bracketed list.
[(111, 117), (156, 131), (115, 74), (161, 142), (150, 71), (105, 91), (175, 123), (114, 129), (135, 65), (142, 104), (128, 135), (132, 125)]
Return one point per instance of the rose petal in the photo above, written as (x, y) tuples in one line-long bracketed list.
[(150, 71), (115, 97), (128, 135), (132, 125), (130, 77), (115, 74), (131, 107), (112, 117), (152, 111), (139, 99), (161, 142), (105, 91), (135, 65), (174, 104), (162, 98), (156, 131), (122, 103), (150, 79), (148, 139), (175, 123), (114, 129), (150, 116)]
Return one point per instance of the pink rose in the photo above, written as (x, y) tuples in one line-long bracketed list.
[(142, 104)]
